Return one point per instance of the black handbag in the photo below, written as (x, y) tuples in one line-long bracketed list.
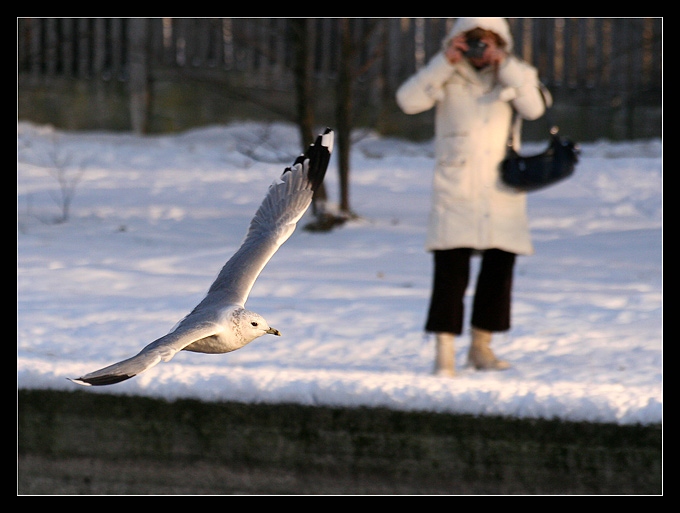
[(531, 173)]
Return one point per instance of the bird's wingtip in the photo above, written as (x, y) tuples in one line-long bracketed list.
[(107, 379), (327, 139), (79, 381)]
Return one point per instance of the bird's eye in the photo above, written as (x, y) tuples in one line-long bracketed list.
[(253, 324)]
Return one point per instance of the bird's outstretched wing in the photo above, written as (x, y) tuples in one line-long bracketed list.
[(287, 200), (160, 350)]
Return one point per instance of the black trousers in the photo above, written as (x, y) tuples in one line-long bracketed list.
[(491, 304)]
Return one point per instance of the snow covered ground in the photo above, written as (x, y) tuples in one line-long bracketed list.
[(153, 219)]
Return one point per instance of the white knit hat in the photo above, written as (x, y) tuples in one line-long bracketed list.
[(497, 25)]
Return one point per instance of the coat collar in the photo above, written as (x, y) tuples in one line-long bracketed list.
[(473, 75)]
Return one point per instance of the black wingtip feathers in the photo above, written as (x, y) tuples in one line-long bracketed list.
[(319, 155), (103, 380)]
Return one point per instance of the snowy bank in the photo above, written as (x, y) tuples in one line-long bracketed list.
[(153, 219)]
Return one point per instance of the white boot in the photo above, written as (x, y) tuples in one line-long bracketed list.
[(445, 356), (481, 356)]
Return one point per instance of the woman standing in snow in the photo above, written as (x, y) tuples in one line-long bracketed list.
[(474, 83)]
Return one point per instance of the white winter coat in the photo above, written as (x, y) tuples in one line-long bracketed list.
[(470, 206)]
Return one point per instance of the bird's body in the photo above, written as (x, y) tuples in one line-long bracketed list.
[(220, 323)]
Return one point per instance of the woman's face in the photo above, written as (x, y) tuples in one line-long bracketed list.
[(492, 54)]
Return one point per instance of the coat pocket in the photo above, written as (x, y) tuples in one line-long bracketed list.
[(453, 178)]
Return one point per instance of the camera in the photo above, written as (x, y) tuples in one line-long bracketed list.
[(475, 49)]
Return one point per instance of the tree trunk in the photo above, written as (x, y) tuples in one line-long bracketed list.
[(139, 75), (343, 112), (303, 70)]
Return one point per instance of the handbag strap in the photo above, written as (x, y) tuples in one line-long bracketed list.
[(516, 122)]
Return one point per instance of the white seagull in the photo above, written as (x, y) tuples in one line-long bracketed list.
[(220, 323)]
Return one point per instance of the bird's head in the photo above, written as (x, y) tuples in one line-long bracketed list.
[(253, 325)]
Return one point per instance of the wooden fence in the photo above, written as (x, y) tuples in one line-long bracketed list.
[(610, 61)]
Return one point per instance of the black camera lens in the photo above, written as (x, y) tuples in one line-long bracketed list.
[(475, 49)]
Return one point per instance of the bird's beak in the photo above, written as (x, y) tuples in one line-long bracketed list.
[(273, 331)]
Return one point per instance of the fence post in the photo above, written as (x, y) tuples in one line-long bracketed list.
[(139, 74)]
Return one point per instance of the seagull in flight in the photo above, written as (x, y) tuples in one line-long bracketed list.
[(220, 323)]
